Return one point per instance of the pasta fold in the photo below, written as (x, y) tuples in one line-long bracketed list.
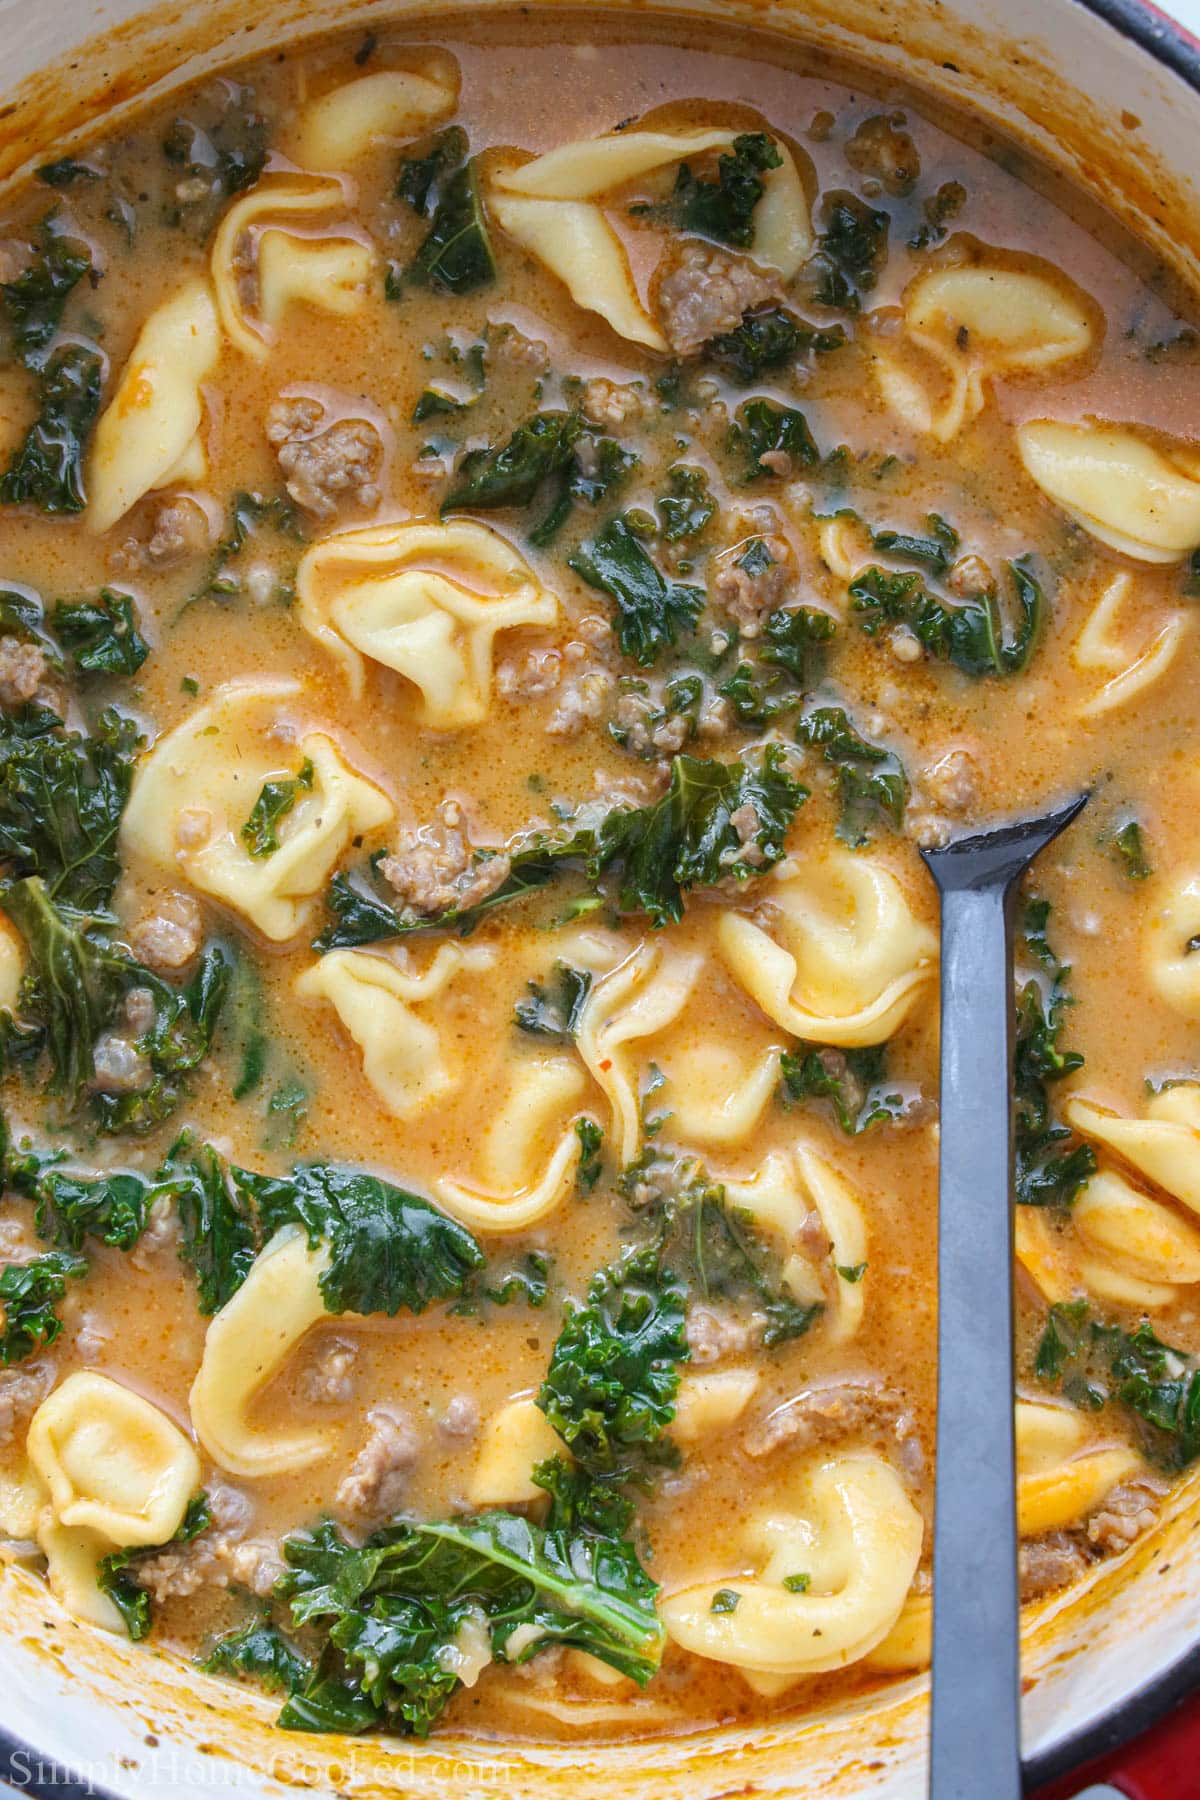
[(1135, 496), (530, 1150), (857, 1536), (426, 600), (195, 791), (843, 960), (384, 108), (148, 435)]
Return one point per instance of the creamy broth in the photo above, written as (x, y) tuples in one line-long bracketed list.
[(873, 585)]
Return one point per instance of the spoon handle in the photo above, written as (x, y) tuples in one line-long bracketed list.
[(976, 1740)]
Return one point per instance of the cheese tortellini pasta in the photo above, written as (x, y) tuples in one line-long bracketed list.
[(1169, 937), (117, 1474), (387, 107), (1123, 1245), (288, 241), (390, 1010), (426, 600), (149, 434), (553, 208), (247, 1343), (1139, 497), (1130, 667), (973, 321), (514, 1440), (528, 1172), (856, 1535), (195, 791), (714, 1089), (842, 959), (1163, 1145), (709, 1403), (1060, 1477)]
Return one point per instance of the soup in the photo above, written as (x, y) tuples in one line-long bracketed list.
[(510, 550)]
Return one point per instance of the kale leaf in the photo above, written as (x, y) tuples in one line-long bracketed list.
[(422, 175), (854, 1081), (61, 799), (610, 1388), (787, 652), (872, 784), (510, 473), (388, 1248), (34, 301), (722, 210), (392, 1610), (972, 635), (553, 1012), (652, 612), (29, 1293), (456, 255), (764, 429), (258, 1649), (260, 833), (219, 154), (1096, 1363), (47, 469), (73, 1209), (74, 983), (767, 338), (687, 506), (713, 1248), (851, 251), (102, 634), (1051, 1163), (250, 513), (1130, 851), (655, 853), (936, 550), (219, 1236)]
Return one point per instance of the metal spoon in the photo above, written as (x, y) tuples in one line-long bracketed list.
[(975, 1752)]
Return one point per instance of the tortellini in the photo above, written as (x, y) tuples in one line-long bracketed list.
[(246, 1344), (1131, 668), (709, 1403), (1163, 1145), (118, 1473), (975, 321), (112, 1462), (385, 108), (779, 1197), (1171, 940), (843, 959), (425, 599), (289, 240), (525, 1179), (195, 791), (1138, 497), (1060, 1479), (856, 1535), (908, 1646), (383, 1004), (1123, 1246), (715, 1093), (513, 1441), (148, 435), (12, 966), (552, 208)]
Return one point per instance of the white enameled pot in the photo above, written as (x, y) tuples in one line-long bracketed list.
[(1109, 90)]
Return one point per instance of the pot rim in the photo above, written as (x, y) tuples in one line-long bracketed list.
[(1171, 44)]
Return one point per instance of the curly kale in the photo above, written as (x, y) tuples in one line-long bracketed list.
[(551, 450), (972, 635), (29, 1293), (47, 468), (553, 1011), (116, 1573), (872, 783), (764, 429), (392, 1612), (716, 821), (722, 210), (62, 794), (851, 251), (788, 656), (1095, 1364), (101, 635), (34, 301), (276, 800), (651, 611), (1052, 1164), (768, 338), (456, 255), (855, 1082)]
